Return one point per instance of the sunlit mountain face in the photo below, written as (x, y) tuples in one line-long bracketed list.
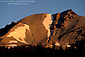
[(65, 29), (29, 30)]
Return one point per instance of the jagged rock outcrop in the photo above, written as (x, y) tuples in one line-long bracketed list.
[(61, 29), (3, 31), (67, 28)]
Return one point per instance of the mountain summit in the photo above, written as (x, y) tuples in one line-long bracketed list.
[(61, 29)]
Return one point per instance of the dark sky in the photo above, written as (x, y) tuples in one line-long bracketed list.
[(14, 10)]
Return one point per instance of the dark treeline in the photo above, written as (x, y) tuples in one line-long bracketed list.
[(41, 51)]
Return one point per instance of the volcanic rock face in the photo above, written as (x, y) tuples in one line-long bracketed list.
[(67, 28), (29, 30), (64, 30)]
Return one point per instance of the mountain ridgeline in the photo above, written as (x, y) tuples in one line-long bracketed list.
[(65, 29)]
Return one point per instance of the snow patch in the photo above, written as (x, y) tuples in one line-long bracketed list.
[(12, 45), (19, 33), (68, 45), (12, 41), (57, 44), (47, 22)]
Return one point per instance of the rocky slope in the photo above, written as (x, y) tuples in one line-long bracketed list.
[(63, 29), (67, 28)]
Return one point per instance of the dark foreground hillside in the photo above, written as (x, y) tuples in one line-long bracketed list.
[(41, 51)]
